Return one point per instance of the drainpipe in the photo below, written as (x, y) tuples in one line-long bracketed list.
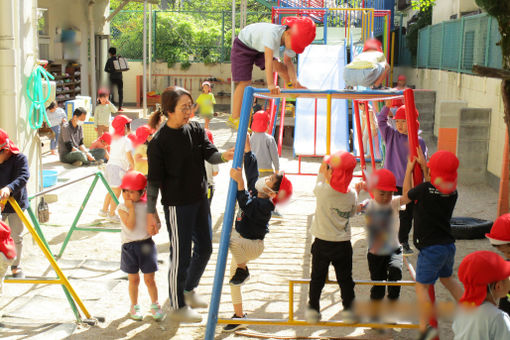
[(8, 82), (92, 40)]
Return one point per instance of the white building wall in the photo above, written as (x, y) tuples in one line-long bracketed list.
[(444, 9)]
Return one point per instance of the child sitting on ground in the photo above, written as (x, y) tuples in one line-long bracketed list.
[(435, 200), (211, 171), (103, 112), (369, 68), (103, 142), (260, 44), (485, 276), (120, 162), (336, 203), (263, 145), (384, 250), (500, 239), (251, 226), (138, 249), (397, 153), (143, 137), (205, 102)]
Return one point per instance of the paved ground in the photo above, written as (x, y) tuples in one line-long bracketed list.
[(91, 261)]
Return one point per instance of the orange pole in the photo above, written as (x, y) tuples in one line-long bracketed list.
[(503, 205)]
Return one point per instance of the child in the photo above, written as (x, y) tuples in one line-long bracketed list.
[(263, 145), (56, 116), (7, 252), (103, 142), (14, 175), (259, 44), (251, 226), (435, 200), (397, 153), (138, 248), (143, 137), (104, 109), (211, 171), (485, 276), (500, 239), (336, 203), (369, 68), (120, 162), (206, 103)]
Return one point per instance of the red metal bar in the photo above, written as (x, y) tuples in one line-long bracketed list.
[(367, 114), (315, 129), (282, 123), (360, 138), (412, 133), (299, 165), (272, 111)]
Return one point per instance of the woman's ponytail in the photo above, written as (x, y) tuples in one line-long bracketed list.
[(155, 118)]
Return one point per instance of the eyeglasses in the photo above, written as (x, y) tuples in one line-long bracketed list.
[(187, 108)]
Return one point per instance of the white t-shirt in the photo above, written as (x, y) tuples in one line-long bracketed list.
[(139, 232), (209, 169), (119, 147), (260, 35), (486, 322), (383, 223), (332, 213)]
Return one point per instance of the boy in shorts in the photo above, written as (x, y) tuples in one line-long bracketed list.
[(260, 44)]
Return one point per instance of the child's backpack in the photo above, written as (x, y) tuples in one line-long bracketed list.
[(120, 64)]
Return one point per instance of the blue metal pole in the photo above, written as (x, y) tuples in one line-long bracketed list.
[(228, 219), (326, 27)]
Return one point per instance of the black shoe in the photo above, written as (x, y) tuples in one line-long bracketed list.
[(429, 334), (407, 249), (232, 327), (240, 277)]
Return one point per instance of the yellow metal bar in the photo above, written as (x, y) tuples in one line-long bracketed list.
[(33, 281), (362, 282), (54, 265), (392, 55), (284, 322), (328, 126), (291, 300)]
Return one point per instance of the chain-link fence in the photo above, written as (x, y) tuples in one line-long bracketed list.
[(457, 45), (179, 36)]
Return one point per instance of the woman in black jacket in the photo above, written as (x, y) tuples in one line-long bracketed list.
[(176, 157)]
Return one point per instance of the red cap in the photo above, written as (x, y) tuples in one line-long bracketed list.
[(132, 137), (402, 77), (142, 133), (6, 143), (372, 44), (302, 32), (209, 135), (6, 242), (284, 192), (397, 102), (343, 164), (133, 180), (119, 123), (106, 137), (103, 91), (500, 231), (401, 113), (443, 167), (382, 179), (260, 121), (478, 270)]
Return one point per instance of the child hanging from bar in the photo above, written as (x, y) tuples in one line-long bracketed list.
[(260, 44), (251, 225), (369, 68)]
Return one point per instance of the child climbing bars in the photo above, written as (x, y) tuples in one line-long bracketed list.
[(259, 44), (369, 68)]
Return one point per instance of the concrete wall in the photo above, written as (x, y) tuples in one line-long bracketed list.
[(478, 92), (444, 9)]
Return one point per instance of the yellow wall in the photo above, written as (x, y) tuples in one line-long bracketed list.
[(478, 92)]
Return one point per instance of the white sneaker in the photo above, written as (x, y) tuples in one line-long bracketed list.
[(114, 218), (312, 315), (185, 314), (194, 300), (349, 317), (102, 213)]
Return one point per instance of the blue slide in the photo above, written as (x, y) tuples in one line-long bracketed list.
[(321, 67)]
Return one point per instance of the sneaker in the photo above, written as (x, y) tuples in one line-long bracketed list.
[(120, 109), (185, 314), (232, 327), (233, 123), (194, 300), (429, 334), (135, 313), (156, 312), (407, 249), (312, 315), (102, 213), (240, 277), (349, 317), (114, 218), (77, 163)]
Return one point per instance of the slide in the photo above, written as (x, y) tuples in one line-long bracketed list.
[(321, 67)]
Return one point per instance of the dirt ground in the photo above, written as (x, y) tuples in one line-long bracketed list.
[(91, 262)]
